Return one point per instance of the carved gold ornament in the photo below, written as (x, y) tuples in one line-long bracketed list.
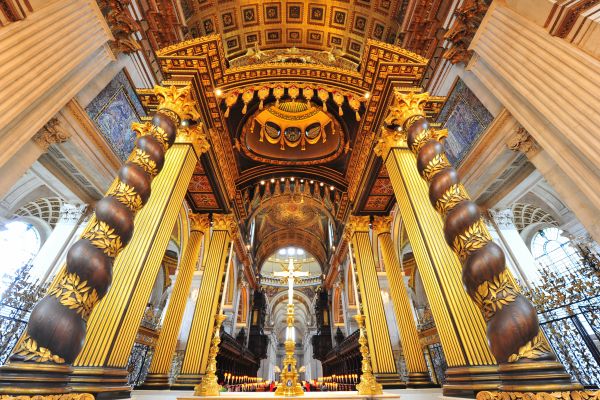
[(475, 237), (389, 139), (224, 222), (382, 224), (75, 294), (142, 159), (147, 128), (196, 136), (177, 100), (127, 196), (405, 106), (30, 350), (451, 197), (492, 295), (199, 222), (567, 395), (104, 237), (422, 137), (435, 165), (535, 348)]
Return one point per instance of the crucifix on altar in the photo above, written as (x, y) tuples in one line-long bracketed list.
[(288, 380)]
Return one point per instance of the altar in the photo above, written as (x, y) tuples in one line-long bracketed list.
[(307, 395)]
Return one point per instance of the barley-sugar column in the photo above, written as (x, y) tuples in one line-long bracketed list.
[(418, 374), (380, 346), (471, 365), (158, 373), (196, 351)]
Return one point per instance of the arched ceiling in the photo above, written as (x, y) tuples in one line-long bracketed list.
[(343, 25)]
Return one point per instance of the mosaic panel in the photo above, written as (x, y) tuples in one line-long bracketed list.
[(113, 111), (466, 118)]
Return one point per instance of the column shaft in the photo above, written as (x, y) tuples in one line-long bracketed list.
[(418, 374), (199, 339), (459, 323), (113, 326), (158, 374), (380, 346)]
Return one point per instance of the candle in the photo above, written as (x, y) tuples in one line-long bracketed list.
[(224, 295), (356, 298)]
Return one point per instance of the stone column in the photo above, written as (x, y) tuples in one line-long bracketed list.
[(418, 374), (57, 327), (527, 362), (380, 346), (158, 373), (471, 366), (199, 339)]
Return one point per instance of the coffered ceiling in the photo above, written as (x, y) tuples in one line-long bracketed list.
[(345, 25)]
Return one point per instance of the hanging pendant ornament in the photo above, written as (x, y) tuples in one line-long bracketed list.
[(247, 96), (323, 95), (308, 93), (339, 100), (230, 101), (355, 105), (278, 92), (263, 93), (293, 92)]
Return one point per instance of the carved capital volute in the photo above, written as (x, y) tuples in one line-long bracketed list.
[(224, 222), (178, 101), (382, 224), (199, 222), (405, 106), (355, 224), (50, 134), (194, 136), (389, 139), (522, 141)]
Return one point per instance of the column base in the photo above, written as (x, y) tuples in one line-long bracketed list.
[(544, 376), (390, 381), (186, 381), (155, 382), (419, 380), (468, 381), (101, 382), (26, 378)]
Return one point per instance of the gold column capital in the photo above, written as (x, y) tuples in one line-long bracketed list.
[(405, 106), (195, 136), (389, 139), (178, 101), (199, 222), (356, 223), (224, 222), (382, 224)]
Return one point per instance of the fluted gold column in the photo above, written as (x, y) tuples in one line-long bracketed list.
[(418, 374), (471, 365), (380, 346), (114, 324), (158, 373), (199, 340)]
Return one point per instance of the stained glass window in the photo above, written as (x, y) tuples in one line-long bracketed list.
[(552, 249)]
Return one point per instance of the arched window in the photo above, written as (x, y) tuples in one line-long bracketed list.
[(19, 243), (552, 249)]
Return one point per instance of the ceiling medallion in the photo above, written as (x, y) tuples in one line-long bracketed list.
[(293, 124)]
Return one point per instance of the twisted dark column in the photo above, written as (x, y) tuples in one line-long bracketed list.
[(527, 363), (57, 327)]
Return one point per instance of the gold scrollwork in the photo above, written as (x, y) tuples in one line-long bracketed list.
[(142, 159), (567, 395), (104, 237), (451, 197), (422, 137), (75, 294), (30, 350), (535, 348), (492, 295), (475, 237), (177, 100), (127, 196), (437, 163), (146, 128)]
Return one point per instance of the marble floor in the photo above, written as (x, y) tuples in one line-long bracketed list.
[(404, 394)]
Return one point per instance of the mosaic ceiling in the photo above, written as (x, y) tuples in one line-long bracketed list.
[(343, 25)]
